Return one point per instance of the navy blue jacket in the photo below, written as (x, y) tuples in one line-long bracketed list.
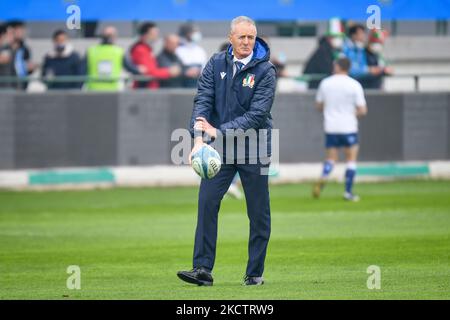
[(243, 102), (66, 64)]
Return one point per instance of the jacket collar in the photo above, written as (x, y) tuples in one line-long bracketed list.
[(245, 60), (68, 49)]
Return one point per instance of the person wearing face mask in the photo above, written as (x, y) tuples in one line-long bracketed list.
[(108, 60), (191, 54), (375, 60), (61, 60), (141, 54), (168, 58), (329, 49), (355, 50), (23, 66), (6, 56)]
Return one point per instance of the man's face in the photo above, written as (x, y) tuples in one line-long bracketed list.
[(60, 40), (242, 37), (110, 33), (8, 37), (19, 33), (360, 35), (152, 34), (171, 43)]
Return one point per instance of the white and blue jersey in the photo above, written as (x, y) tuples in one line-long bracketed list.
[(340, 96)]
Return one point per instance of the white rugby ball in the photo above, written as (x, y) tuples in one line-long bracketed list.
[(206, 162)]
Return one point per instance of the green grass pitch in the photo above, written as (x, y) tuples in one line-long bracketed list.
[(129, 243)]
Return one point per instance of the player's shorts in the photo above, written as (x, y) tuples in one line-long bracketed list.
[(340, 140)]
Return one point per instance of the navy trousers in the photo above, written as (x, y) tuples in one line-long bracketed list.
[(256, 190)]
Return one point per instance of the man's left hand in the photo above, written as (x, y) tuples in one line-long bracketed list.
[(203, 125)]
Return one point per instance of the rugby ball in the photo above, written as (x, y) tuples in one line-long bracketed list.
[(206, 162)]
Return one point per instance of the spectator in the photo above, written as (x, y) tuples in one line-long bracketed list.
[(142, 55), (22, 53), (167, 58), (192, 56), (108, 60), (224, 46), (6, 56), (278, 61), (354, 49), (375, 59), (329, 49), (62, 60)]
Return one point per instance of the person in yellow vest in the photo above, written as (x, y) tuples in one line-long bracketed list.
[(105, 63)]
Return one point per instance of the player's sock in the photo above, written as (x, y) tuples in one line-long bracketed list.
[(327, 168), (350, 176)]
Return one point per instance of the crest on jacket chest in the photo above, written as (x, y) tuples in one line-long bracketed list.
[(249, 80)]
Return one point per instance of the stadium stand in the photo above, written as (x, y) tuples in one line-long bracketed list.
[(409, 56)]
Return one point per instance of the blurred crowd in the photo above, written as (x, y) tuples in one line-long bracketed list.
[(15, 55), (178, 65), (365, 52)]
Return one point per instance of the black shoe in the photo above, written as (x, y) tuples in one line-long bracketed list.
[(199, 276), (253, 281)]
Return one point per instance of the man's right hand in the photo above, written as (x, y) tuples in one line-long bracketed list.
[(142, 69), (175, 71), (375, 71), (192, 72), (197, 145), (388, 71), (361, 111)]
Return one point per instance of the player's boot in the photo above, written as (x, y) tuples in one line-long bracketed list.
[(318, 187), (351, 197), (199, 276), (253, 281)]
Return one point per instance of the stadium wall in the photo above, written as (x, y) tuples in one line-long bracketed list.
[(183, 175), (79, 129)]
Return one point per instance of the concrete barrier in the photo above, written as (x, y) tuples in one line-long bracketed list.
[(183, 175), (79, 129)]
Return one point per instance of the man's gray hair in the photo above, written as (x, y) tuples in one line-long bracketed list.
[(241, 19)]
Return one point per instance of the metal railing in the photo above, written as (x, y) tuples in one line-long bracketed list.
[(71, 79), (415, 77), (14, 82)]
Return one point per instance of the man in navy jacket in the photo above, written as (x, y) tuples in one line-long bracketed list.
[(62, 60), (235, 92)]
